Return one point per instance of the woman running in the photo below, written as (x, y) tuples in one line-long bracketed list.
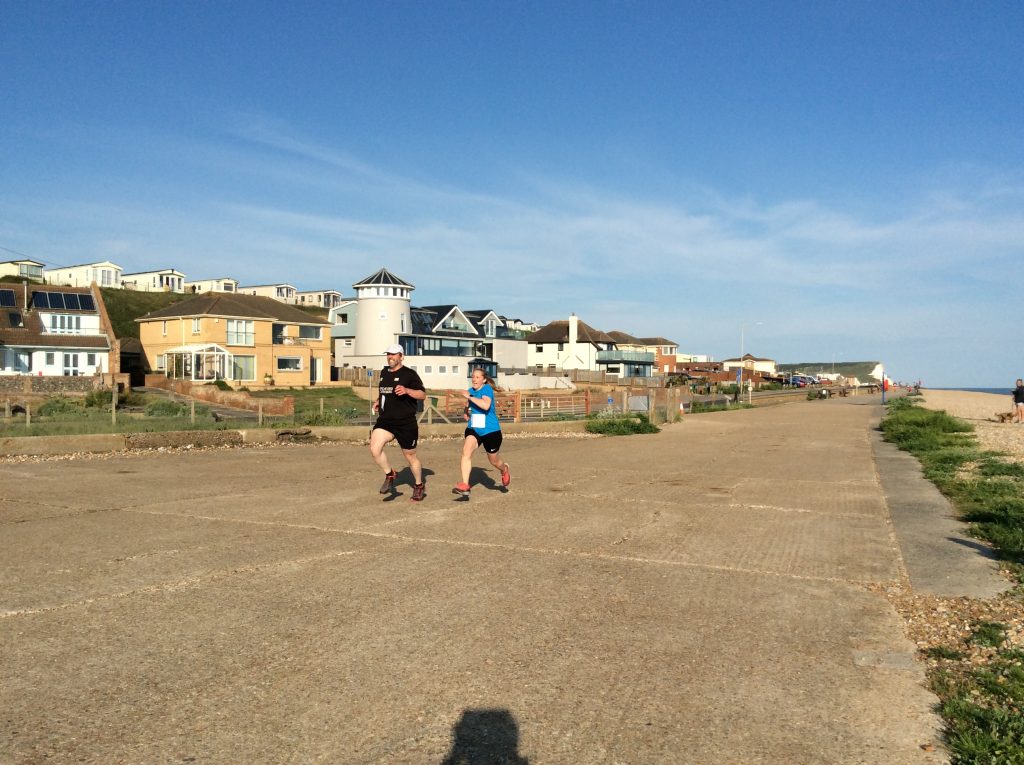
[(484, 429)]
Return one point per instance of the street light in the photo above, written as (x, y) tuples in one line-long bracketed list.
[(742, 328)]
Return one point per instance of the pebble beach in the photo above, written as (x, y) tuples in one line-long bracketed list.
[(980, 409)]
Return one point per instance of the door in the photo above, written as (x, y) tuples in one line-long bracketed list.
[(71, 365)]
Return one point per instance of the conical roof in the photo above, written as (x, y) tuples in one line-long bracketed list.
[(382, 278)]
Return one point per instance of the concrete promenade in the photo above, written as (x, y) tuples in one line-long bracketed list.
[(695, 596)]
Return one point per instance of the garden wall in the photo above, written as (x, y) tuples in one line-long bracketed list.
[(236, 399)]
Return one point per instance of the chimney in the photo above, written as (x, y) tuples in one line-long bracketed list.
[(574, 330)]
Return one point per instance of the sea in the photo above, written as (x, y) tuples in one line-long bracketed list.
[(1008, 389)]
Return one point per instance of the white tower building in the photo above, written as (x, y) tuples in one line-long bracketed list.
[(383, 312)]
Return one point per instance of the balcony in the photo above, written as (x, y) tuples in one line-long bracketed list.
[(625, 357)]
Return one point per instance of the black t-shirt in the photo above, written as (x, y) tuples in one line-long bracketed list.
[(1018, 395), (392, 406)]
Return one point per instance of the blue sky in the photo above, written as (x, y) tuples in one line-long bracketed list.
[(826, 180)]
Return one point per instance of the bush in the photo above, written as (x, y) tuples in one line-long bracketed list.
[(340, 416), (99, 398), (165, 409), (627, 425), (60, 407), (221, 385)]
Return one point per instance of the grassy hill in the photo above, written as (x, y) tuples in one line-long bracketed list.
[(860, 369), (125, 306)]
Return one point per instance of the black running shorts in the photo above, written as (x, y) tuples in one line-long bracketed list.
[(407, 433), (491, 442)]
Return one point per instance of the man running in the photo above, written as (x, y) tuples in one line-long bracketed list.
[(397, 393)]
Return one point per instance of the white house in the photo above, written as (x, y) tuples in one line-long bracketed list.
[(49, 330), (572, 344), (163, 280), (442, 343), (104, 273), (224, 284)]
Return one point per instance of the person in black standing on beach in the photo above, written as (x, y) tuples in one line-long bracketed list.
[(1018, 402), (398, 392)]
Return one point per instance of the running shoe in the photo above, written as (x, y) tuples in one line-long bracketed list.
[(462, 489), (389, 483), (419, 491), (506, 476)]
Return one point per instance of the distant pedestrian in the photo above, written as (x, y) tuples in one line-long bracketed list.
[(483, 430), (398, 392), (1018, 402)]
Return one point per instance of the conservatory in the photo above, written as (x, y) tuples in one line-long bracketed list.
[(205, 363)]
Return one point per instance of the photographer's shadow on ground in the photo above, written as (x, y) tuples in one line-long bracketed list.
[(485, 737)]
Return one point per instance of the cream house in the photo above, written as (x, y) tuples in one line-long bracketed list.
[(751, 364), (284, 293), (242, 339), (24, 269)]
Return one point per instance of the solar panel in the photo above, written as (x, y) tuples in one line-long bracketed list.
[(7, 298), (56, 300), (41, 299), (71, 301), (88, 304)]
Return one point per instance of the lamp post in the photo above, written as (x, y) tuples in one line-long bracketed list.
[(743, 327)]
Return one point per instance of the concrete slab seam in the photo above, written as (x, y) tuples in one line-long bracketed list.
[(181, 584), (583, 554)]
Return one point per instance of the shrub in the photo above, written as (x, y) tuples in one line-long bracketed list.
[(99, 398), (164, 409), (221, 385), (61, 406), (622, 426)]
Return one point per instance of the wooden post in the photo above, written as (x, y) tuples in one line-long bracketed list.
[(652, 410), (321, 407), (260, 415), (113, 404), (28, 415), (517, 413), (7, 409)]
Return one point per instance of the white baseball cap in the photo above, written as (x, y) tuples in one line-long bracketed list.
[(394, 348)]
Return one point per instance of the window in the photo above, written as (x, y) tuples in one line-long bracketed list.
[(561, 346), (15, 318), (341, 318), (289, 364), (240, 332), (309, 333), (243, 368), (455, 369), (196, 323), (90, 359), (161, 361), (442, 370), (348, 343), (49, 359), (35, 272), (428, 369), (165, 328), (539, 348)]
